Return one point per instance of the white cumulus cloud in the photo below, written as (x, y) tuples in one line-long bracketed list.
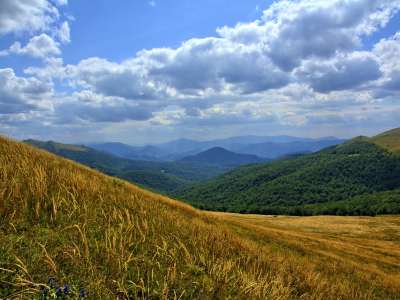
[(38, 46), (26, 15), (22, 95)]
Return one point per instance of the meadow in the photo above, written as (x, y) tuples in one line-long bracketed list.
[(368, 243), (65, 221)]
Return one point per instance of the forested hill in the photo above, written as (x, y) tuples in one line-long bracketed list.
[(309, 183), (221, 156)]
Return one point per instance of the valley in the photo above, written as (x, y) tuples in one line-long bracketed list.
[(173, 174)]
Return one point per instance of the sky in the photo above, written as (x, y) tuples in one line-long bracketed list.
[(142, 71)]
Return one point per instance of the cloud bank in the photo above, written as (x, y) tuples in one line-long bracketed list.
[(297, 66)]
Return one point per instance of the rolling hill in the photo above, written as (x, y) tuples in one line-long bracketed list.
[(222, 156), (63, 221), (116, 166), (345, 179)]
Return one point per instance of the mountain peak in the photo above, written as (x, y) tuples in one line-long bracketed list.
[(219, 155)]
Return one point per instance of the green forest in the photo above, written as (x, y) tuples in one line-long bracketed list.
[(357, 178), (156, 180)]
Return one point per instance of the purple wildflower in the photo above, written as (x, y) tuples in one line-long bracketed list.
[(82, 293), (59, 292), (42, 290), (66, 289)]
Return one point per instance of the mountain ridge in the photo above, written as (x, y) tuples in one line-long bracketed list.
[(257, 145)]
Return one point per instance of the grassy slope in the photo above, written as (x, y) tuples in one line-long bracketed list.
[(389, 140), (54, 146), (62, 220)]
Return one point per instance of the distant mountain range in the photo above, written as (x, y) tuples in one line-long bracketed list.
[(228, 143), (262, 146)]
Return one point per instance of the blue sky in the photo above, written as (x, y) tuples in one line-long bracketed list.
[(152, 71)]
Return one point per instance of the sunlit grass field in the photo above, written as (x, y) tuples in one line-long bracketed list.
[(371, 244), (61, 220)]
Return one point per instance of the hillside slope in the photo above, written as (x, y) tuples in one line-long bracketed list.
[(389, 140), (65, 221), (337, 173)]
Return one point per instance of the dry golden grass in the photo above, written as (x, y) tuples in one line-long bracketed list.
[(388, 140), (370, 244), (63, 220), (56, 146)]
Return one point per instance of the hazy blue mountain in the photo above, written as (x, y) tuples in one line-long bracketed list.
[(233, 143), (147, 153), (118, 149), (151, 150), (181, 145), (176, 156), (274, 150), (263, 146), (218, 155), (235, 147), (141, 157), (268, 149), (315, 145)]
